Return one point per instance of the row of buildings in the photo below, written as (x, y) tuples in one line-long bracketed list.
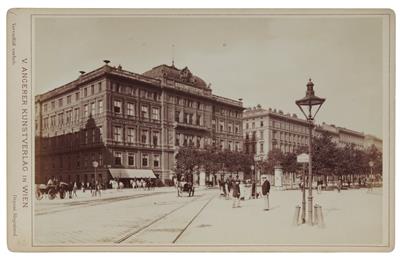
[(133, 124), (265, 130)]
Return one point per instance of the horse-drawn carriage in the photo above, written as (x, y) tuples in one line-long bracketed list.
[(52, 190), (186, 187)]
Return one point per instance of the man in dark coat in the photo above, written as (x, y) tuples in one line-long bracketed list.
[(265, 193), (236, 194)]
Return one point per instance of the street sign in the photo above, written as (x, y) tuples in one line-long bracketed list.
[(303, 158)]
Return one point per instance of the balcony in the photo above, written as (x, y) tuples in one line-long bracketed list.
[(182, 125)]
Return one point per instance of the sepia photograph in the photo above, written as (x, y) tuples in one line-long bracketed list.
[(182, 130)]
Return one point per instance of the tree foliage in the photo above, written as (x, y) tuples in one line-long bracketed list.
[(328, 158), (190, 159)]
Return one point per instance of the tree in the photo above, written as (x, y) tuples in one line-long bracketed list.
[(325, 155), (187, 160), (374, 155), (275, 157)]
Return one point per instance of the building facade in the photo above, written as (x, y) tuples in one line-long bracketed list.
[(129, 121), (264, 130)]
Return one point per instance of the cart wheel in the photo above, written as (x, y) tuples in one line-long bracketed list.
[(39, 195), (52, 194)]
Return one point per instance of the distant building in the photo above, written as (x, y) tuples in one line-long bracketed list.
[(264, 130), (129, 122), (371, 140)]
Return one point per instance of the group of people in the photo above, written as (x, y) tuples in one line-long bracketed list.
[(72, 187), (142, 183), (237, 190)]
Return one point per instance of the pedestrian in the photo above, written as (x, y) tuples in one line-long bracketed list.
[(253, 189), (236, 194), (319, 186), (339, 185), (226, 191), (265, 193), (75, 187)]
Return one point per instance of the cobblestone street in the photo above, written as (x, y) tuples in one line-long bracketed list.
[(160, 217)]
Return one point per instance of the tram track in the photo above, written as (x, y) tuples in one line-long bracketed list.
[(94, 202), (131, 235)]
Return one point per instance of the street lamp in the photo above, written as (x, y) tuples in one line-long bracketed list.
[(310, 101), (371, 164), (95, 165)]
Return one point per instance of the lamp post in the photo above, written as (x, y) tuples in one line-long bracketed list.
[(253, 170), (308, 102), (95, 165), (371, 164)]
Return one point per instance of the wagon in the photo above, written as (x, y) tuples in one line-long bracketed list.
[(51, 191), (186, 187)]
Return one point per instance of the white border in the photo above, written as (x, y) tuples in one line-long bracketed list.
[(7, 4)]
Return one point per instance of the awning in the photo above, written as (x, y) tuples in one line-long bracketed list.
[(132, 173)]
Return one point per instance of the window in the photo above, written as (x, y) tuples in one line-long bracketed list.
[(117, 106), (145, 112), (69, 116), (92, 89), (53, 105), (261, 147), (131, 135), (85, 92), (131, 159), (156, 136), (221, 126), (177, 139), (53, 121), (145, 136), (247, 125), (117, 134), (86, 111), (236, 129), (100, 133), (230, 128), (60, 119), (100, 103), (261, 123), (60, 102), (130, 109), (177, 114), (155, 114), (99, 85), (93, 109), (261, 134), (69, 99), (76, 96), (253, 125), (45, 107), (45, 122), (156, 161), (145, 160), (76, 114), (117, 158)]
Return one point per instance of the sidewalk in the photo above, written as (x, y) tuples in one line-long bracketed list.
[(351, 217)]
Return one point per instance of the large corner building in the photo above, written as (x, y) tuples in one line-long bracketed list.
[(129, 122)]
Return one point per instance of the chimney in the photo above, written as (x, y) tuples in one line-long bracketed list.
[(106, 62), (82, 72)]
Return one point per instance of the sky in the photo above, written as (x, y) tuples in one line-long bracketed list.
[(264, 60)]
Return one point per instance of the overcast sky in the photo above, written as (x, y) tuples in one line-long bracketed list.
[(263, 60)]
